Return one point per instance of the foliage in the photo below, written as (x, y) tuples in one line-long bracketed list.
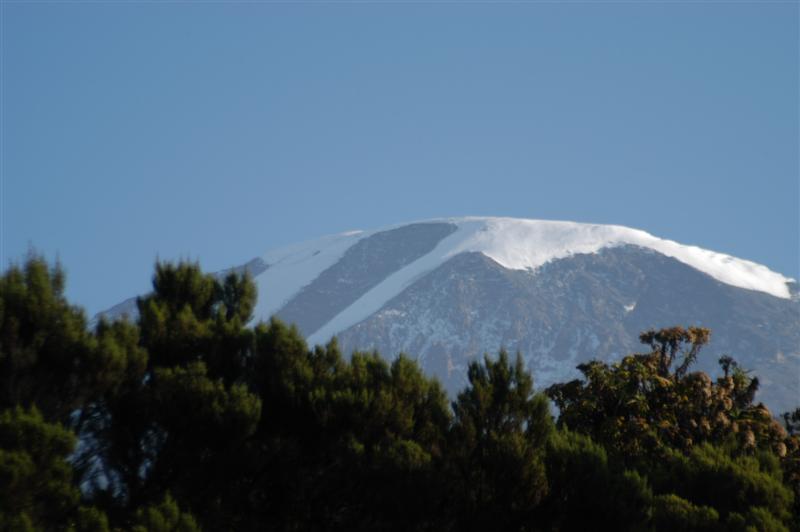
[(180, 423), (47, 355), (497, 446), (164, 517), (344, 441), (648, 403), (587, 491), (711, 455), (37, 491), (192, 418)]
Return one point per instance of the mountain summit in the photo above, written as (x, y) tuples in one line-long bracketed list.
[(448, 290)]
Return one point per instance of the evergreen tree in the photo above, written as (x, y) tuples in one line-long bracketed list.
[(347, 445), (37, 491), (48, 358), (587, 492), (179, 425), (497, 447), (189, 418), (165, 516)]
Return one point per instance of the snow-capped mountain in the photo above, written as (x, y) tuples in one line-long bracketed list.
[(448, 290)]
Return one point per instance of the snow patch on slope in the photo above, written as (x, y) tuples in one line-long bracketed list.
[(527, 244), (293, 267), (375, 298), (519, 244)]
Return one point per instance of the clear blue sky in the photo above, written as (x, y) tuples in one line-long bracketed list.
[(218, 131)]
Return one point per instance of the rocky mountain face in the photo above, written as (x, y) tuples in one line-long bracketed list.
[(437, 291), (576, 309)]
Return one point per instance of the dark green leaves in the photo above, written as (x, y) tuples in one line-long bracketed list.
[(189, 418)]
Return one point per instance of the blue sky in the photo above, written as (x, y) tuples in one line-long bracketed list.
[(217, 131)]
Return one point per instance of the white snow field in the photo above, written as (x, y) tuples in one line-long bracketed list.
[(293, 267), (516, 244)]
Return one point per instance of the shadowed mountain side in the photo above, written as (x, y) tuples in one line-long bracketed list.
[(448, 290), (583, 307), (364, 265)]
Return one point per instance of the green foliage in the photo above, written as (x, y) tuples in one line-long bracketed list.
[(180, 423), (587, 492), (192, 316), (201, 426), (89, 519), (344, 441), (709, 476), (497, 446), (673, 513), (187, 395), (164, 517), (36, 485), (190, 417), (47, 355), (36, 482), (642, 406), (704, 445)]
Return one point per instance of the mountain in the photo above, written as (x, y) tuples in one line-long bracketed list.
[(446, 291)]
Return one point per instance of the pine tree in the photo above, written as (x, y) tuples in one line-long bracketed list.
[(48, 358), (190, 418), (497, 447), (37, 491), (180, 424)]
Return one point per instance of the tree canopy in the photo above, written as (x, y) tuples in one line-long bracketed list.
[(193, 418)]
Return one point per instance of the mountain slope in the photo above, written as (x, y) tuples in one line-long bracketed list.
[(449, 290), (586, 306)]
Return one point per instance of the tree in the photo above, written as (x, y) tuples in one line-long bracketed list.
[(791, 459), (48, 358), (180, 424), (648, 402), (589, 492), (343, 445), (165, 516), (37, 491), (190, 418), (738, 488), (497, 447), (710, 454)]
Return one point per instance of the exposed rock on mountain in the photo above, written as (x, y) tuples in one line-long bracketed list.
[(447, 291)]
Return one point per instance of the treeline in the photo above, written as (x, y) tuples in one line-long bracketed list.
[(189, 419)]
